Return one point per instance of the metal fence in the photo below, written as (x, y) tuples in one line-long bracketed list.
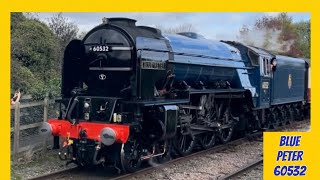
[(26, 117)]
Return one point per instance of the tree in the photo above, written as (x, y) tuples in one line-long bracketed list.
[(82, 34), (36, 52), (278, 34), (16, 18), (34, 56), (63, 29), (303, 41), (32, 15)]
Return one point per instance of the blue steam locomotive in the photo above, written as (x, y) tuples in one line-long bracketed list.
[(132, 93)]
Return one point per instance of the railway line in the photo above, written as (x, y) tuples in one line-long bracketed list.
[(57, 175), (65, 174), (243, 170), (217, 148), (99, 173)]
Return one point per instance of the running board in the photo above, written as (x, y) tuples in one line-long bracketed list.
[(191, 107)]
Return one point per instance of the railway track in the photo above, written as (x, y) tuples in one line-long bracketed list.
[(217, 148), (243, 170), (65, 174), (57, 175), (77, 173)]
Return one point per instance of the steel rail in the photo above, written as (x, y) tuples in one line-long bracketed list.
[(214, 149), (243, 170), (64, 173), (57, 175)]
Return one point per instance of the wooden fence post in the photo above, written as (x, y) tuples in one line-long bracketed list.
[(45, 119), (16, 137)]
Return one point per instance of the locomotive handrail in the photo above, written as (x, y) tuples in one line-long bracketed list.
[(192, 55), (74, 103), (110, 68), (213, 65), (163, 102), (208, 57)]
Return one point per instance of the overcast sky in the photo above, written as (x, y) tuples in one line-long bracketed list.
[(211, 25)]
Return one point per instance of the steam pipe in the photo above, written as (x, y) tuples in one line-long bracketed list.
[(74, 103), (94, 161), (153, 155)]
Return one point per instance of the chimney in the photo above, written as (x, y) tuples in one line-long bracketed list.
[(119, 21)]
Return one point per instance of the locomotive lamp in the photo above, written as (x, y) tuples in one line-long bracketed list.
[(86, 110), (86, 105), (117, 117)]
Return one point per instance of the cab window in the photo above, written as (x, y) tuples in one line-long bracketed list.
[(265, 64)]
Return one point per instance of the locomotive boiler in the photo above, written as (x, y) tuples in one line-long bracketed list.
[(132, 93)]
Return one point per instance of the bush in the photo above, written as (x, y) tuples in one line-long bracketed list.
[(35, 54)]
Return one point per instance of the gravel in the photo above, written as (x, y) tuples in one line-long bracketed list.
[(210, 166), (39, 164), (217, 165), (301, 127), (254, 174)]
